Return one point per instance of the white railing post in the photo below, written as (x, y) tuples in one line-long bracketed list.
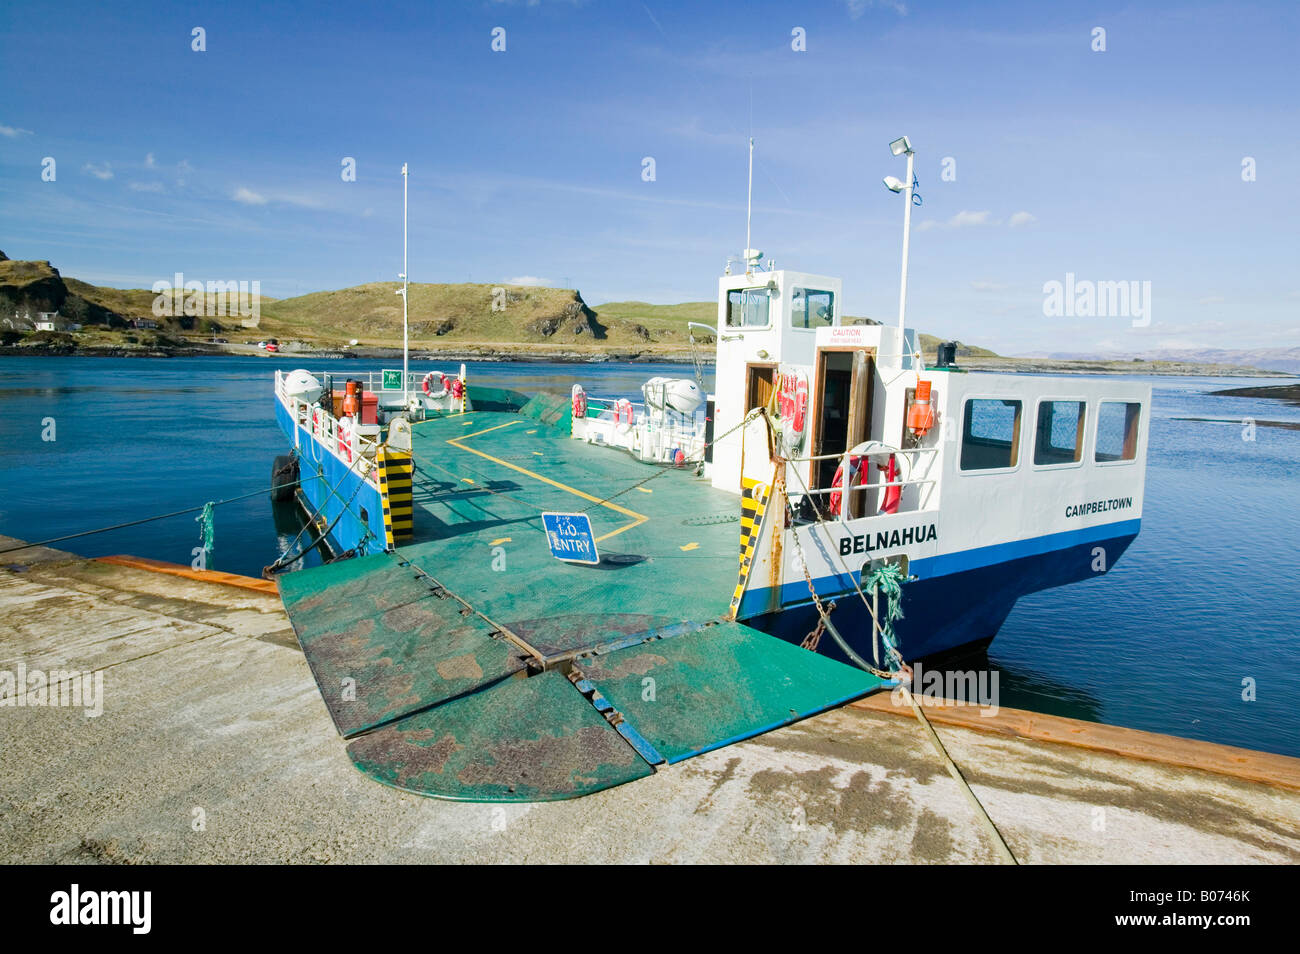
[(845, 483)]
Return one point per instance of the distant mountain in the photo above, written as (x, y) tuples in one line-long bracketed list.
[(28, 288), (1266, 359)]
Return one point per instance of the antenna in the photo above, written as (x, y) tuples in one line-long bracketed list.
[(751, 255)]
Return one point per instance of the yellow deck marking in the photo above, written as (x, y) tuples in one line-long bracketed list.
[(500, 540), (645, 490), (637, 518), (466, 480), (533, 431), (690, 546), (538, 454), (467, 424)]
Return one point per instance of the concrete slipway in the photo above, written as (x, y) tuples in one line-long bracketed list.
[(214, 746)]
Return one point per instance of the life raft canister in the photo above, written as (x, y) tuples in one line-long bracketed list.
[(920, 416), (442, 378), (855, 472), (350, 403), (579, 402), (457, 388), (892, 494)]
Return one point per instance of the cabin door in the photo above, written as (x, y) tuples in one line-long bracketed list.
[(843, 388), (758, 388)]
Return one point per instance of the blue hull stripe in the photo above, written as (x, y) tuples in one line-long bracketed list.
[(756, 601)]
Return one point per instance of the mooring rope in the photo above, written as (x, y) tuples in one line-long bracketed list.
[(888, 578), (134, 523)]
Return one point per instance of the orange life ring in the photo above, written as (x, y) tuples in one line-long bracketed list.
[(443, 380)]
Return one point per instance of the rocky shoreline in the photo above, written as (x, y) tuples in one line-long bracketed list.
[(567, 356), (1276, 392)]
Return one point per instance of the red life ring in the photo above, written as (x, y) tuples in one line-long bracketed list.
[(800, 405), (345, 443), (579, 402), (892, 494), (855, 472), (623, 412), (442, 378)]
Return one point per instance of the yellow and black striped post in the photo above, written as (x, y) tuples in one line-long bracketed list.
[(395, 469), (753, 502)]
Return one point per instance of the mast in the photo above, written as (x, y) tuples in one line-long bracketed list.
[(907, 234), (406, 397), (749, 205)]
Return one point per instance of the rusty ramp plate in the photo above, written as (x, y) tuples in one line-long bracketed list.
[(527, 740), (705, 689), (382, 642)]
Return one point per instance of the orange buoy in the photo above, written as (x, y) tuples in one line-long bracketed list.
[(920, 416)]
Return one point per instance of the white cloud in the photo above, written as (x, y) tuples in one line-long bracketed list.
[(249, 197), (965, 218), (858, 7), (1021, 218), (146, 187), (961, 220), (528, 280), (103, 172), (1211, 300), (149, 161), (988, 286), (13, 132)]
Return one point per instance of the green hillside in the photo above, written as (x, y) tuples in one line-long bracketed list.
[(487, 318)]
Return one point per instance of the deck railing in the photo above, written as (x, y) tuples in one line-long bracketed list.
[(345, 443), (845, 487)]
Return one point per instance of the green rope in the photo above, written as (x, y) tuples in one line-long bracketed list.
[(207, 532), (888, 579)]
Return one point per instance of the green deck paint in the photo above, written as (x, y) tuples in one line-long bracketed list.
[(436, 708)]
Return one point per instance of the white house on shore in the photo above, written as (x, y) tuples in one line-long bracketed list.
[(53, 321)]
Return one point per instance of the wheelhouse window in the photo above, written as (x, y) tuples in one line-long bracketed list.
[(990, 437), (810, 308), (1117, 431), (749, 307), (1060, 432)]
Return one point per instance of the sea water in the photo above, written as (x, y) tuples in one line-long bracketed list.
[(1194, 632)]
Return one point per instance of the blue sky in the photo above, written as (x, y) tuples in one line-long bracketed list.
[(1114, 166)]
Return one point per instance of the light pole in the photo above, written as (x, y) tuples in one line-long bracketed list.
[(901, 147), (406, 396)]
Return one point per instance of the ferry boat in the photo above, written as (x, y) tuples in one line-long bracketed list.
[(550, 594)]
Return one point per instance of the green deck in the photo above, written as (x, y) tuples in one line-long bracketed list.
[(484, 480), (473, 665)]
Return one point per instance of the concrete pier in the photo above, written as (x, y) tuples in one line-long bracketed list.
[(214, 746)]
